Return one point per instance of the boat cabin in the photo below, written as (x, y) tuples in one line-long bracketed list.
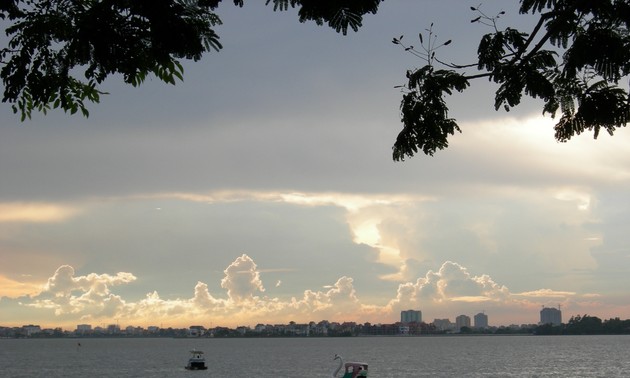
[(355, 369), (196, 361)]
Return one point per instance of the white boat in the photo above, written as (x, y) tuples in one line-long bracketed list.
[(196, 361), (351, 369)]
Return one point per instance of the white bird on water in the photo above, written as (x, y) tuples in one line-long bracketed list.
[(337, 357)]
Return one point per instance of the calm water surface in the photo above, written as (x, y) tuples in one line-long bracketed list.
[(396, 357)]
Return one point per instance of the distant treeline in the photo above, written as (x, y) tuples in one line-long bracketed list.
[(586, 325)]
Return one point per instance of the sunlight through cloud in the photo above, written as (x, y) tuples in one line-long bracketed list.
[(35, 212)]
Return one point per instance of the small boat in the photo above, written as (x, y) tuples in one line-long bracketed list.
[(196, 361), (351, 369)]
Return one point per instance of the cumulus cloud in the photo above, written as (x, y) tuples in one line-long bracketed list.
[(242, 279), (341, 298), (64, 282), (452, 282), (91, 298), (88, 295)]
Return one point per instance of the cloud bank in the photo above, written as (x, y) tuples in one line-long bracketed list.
[(70, 299)]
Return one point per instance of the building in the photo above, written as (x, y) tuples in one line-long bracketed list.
[(462, 321), (84, 328), (30, 329), (153, 329), (411, 316), (481, 321), (196, 331), (133, 330), (550, 315), (113, 329), (443, 325)]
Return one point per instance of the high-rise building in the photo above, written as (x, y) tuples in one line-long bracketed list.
[(84, 328), (443, 325), (462, 321), (481, 320), (550, 315), (411, 316)]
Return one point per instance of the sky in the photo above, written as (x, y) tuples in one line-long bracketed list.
[(262, 189)]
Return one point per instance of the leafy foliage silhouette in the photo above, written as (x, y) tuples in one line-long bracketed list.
[(52, 41), (574, 59), (583, 85)]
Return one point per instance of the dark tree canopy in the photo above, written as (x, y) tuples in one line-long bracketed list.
[(576, 59), (59, 51)]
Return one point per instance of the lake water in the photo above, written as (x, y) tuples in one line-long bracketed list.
[(396, 357)]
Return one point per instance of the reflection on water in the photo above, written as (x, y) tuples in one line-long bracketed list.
[(397, 357)]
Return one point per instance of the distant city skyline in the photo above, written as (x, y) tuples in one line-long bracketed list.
[(550, 324), (198, 330), (548, 315)]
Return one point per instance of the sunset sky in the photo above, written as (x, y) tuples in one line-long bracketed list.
[(262, 190)]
